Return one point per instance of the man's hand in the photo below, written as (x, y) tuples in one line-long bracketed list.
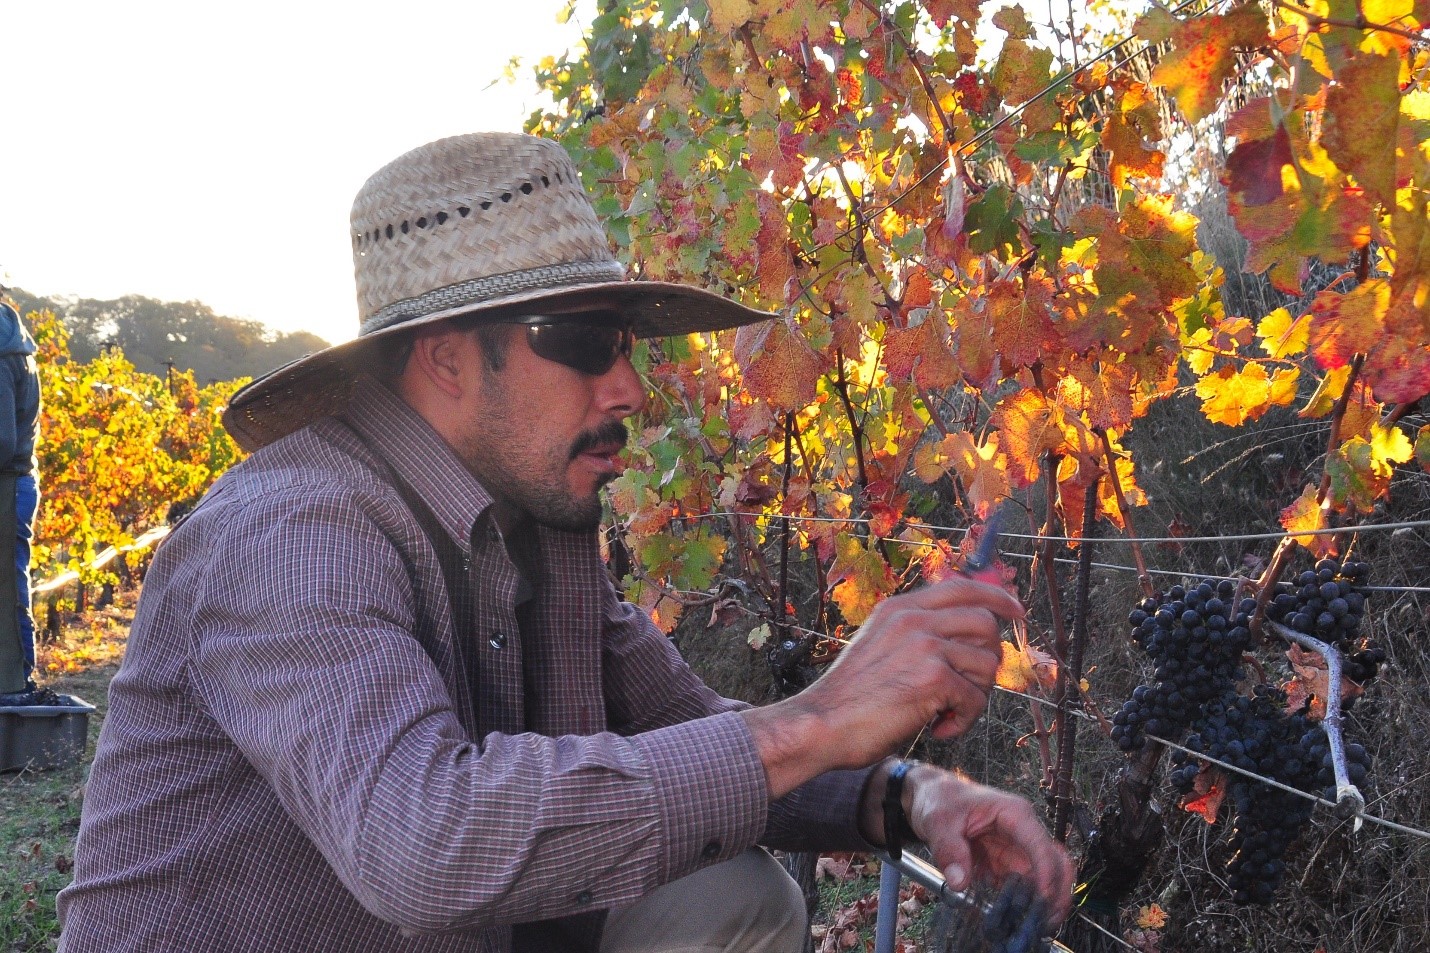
[(919, 655), (976, 832)]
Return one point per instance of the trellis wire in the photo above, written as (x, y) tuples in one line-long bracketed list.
[(1328, 531), (1393, 825), (1059, 559)]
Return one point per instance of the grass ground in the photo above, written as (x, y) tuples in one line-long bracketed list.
[(39, 811)]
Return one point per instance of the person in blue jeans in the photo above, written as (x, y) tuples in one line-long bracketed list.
[(19, 498)]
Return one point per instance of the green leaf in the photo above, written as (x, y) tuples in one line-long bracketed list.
[(991, 223)]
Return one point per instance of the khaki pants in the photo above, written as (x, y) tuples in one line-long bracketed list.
[(745, 905)]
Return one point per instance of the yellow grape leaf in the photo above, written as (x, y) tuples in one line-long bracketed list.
[(859, 578), (1151, 917), (1306, 514), (1283, 386), (933, 460), (1030, 426), (1015, 669), (1233, 397), (1389, 445), (727, 15), (1327, 393), (1128, 133), (1283, 336)]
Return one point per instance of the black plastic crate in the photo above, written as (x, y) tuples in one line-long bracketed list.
[(40, 737)]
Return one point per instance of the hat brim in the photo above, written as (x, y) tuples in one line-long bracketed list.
[(318, 385)]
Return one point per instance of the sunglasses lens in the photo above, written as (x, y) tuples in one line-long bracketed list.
[(589, 348)]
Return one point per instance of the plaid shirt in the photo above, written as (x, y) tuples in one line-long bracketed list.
[(290, 761)]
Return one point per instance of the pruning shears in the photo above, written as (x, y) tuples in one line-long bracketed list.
[(979, 564)]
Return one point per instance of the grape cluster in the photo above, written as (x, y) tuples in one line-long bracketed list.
[(1255, 734), (1195, 638), (1328, 602)]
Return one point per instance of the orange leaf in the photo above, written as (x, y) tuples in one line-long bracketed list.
[(775, 268), (1151, 917), (980, 468), (918, 290), (1030, 426), (1204, 56), (1306, 514), (859, 577), (1343, 325), (1362, 112), (1207, 793), (973, 341), (1310, 683)]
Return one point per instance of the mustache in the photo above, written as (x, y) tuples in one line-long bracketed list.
[(604, 435)]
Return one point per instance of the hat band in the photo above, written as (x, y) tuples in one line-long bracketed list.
[(494, 287)]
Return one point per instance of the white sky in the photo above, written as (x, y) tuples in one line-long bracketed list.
[(189, 150)]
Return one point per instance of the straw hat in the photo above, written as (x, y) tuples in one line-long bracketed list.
[(483, 224)]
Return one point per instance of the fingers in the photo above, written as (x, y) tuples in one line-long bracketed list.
[(980, 831), (962, 591)]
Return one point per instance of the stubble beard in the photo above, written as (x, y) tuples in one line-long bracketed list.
[(538, 487)]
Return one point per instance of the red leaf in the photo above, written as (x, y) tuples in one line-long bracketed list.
[(772, 246), (1022, 322), (779, 365), (920, 354), (1254, 167)]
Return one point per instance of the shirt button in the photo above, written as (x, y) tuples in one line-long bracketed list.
[(498, 640), (711, 851), (584, 897)]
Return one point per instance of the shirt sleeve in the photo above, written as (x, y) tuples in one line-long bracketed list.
[(301, 650), (649, 685)]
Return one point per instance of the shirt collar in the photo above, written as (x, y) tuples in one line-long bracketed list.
[(420, 456)]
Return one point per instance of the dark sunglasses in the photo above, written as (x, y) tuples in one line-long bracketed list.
[(590, 342)]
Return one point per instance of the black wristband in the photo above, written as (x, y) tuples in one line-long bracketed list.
[(897, 830)]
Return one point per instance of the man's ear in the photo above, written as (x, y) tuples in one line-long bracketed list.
[(442, 357)]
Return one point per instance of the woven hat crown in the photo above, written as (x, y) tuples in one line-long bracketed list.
[(473, 219), (484, 225)]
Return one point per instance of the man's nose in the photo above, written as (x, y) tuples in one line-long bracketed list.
[(621, 390)]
